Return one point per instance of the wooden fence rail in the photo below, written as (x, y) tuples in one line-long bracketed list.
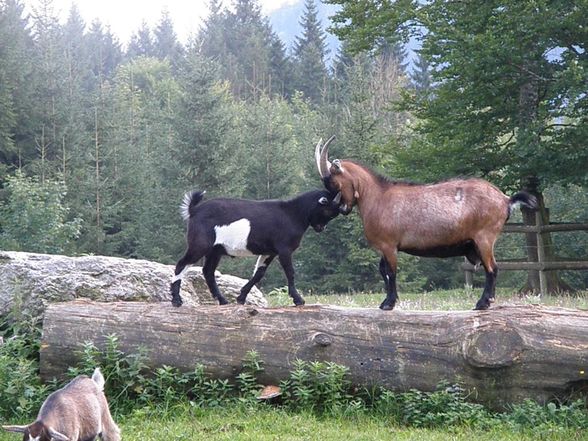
[(541, 264)]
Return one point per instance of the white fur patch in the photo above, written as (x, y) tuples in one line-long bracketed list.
[(459, 195), (179, 276), (260, 262), (233, 237), (34, 439)]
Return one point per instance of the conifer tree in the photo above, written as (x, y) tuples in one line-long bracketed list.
[(15, 93), (141, 43), (421, 77), (166, 44), (310, 51)]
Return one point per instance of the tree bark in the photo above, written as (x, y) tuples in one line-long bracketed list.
[(554, 282), (502, 355)]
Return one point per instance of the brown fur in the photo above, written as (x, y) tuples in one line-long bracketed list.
[(79, 411), (400, 216), (451, 218)]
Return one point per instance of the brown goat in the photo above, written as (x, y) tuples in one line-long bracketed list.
[(461, 217), (77, 412)]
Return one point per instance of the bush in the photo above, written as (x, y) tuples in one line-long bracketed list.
[(318, 387), (21, 390), (530, 415)]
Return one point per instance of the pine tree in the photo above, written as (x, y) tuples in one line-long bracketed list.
[(310, 51), (141, 43), (48, 88), (166, 45), (421, 77), (15, 91), (201, 158), (250, 53)]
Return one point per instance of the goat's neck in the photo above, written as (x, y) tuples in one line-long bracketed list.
[(369, 196)]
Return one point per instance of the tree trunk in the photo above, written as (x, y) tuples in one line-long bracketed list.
[(553, 281), (502, 355)]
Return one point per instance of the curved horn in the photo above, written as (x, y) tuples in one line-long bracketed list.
[(337, 199), (17, 429), (57, 436), (322, 157)]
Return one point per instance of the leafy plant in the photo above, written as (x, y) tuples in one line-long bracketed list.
[(246, 380), (21, 390), (317, 386)]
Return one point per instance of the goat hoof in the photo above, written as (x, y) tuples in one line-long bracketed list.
[(177, 302), (482, 306), (223, 301), (386, 307), (299, 303)]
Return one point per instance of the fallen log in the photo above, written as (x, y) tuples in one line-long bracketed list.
[(502, 355)]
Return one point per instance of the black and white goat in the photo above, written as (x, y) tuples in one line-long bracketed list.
[(77, 412), (238, 227)]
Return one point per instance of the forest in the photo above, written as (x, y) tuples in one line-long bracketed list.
[(100, 140)]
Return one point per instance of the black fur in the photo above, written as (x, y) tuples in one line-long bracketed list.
[(277, 228)]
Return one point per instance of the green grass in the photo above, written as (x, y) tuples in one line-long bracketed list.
[(447, 300), (261, 423), (265, 423), (185, 421)]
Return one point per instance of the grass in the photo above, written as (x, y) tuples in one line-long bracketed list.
[(239, 423), (446, 300), (186, 421), (261, 423)]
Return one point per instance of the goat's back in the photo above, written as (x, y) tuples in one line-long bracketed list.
[(437, 214), (76, 410)]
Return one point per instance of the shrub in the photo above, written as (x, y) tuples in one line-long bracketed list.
[(21, 390), (317, 386)]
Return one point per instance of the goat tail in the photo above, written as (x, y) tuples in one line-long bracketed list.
[(191, 199), (98, 378), (522, 198)]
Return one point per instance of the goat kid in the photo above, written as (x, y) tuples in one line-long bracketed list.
[(77, 412), (461, 217), (237, 227)]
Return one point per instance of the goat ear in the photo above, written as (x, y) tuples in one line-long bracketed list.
[(17, 429), (56, 436), (323, 201)]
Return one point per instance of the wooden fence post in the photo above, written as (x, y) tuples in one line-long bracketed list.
[(541, 253)]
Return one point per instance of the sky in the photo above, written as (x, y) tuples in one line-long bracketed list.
[(126, 16)]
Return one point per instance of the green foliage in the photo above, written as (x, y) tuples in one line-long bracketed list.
[(317, 387), (124, 373), (35, 218), (443, 408), (313, 389), (507, 100), (552, 417), (246, 380), (21, 390), (129, 134)]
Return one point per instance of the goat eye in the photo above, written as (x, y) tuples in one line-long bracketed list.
[(323, 201)]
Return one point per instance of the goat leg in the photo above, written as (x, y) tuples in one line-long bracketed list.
[(286, 262), (258, 274)]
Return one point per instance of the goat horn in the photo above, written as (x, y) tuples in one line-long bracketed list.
[(57, 436), (322, 158), (17, 429), (337, 199)]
